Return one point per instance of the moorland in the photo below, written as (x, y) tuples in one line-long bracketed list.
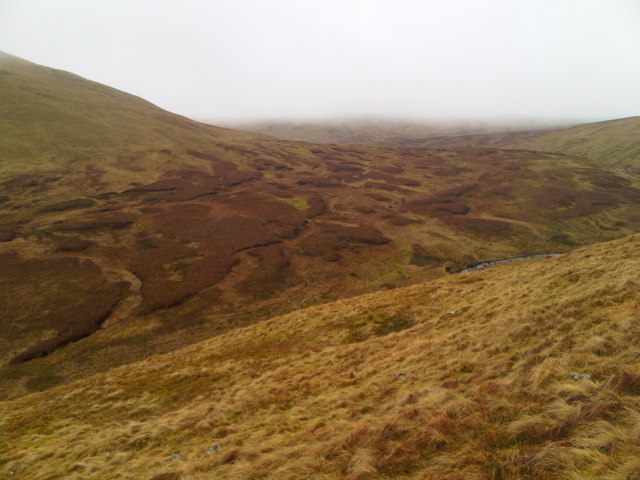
[(181, 300)]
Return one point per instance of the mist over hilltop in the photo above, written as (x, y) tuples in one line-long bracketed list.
[(238, 61)]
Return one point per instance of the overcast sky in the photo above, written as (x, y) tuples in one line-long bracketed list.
[(230, 60)]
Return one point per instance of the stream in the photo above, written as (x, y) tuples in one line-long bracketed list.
[(491, 263)]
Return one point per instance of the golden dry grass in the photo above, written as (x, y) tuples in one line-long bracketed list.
[(54, 119), (612, 142), (468, 376)]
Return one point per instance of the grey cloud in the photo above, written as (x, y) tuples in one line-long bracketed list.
[(250, 59)]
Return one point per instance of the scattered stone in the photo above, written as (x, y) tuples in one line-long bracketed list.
[(580, 376), (17, 468), (213, 448), (452, 313), (175, 457)]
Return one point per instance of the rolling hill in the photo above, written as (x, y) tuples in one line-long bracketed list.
[(526, 370), (127, 231), (363, 131), (612, 142)]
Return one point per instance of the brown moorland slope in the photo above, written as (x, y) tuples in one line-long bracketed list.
[(126, 230), (527, 370)]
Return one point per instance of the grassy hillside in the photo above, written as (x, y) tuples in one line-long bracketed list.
[(51, 119), (614, 142), (126, 230), (527, 370)]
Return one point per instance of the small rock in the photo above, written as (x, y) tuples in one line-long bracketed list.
[(400, 374), (452, 312), (214, 448), (580, 376), (17, 468), (175, 457)]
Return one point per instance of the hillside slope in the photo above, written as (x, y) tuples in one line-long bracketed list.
[(612, 142), (364, 131), (52, 119), (527, 370), (126, 230)]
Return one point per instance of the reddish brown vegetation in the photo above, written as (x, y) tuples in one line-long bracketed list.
[(390, 169), (444, 202), (421, 257), (188, 185), (344, 177), (317, 206), (390, 179), (229, 174), (20, 182), (333, 237), (106, 222), (383, 186), (565, 203), (204, 155), (73, 244), (270, 275), (75, 204), (625, 383), (318, 182), (345, 166), (482, 227), (167, 476), (171, 275), (172, 271), (7, 235), (400, 220), (72, 299), (268, 164), (377, 197), (437, 207), (211, 229)]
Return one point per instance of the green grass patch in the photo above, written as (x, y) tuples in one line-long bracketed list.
[(298, 203)]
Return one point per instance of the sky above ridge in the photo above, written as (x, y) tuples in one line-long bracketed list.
[(237, 60)]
